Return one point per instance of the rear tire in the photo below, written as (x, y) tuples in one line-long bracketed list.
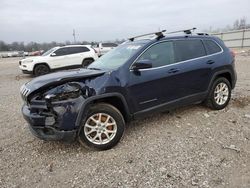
[(219, 94), (41, 70), (102, 128), (87, 62)]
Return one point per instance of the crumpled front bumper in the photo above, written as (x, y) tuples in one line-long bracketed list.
[(39, 128)]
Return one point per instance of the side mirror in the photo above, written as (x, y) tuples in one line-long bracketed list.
[(53, 54), (142, 64)]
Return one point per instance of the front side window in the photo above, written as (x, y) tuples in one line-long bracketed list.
[(211, 47), (48, 52), (160, 54), (62, 51), (188, 49)]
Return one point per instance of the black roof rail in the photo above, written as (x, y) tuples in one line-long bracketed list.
[(202, 33), (159, 35), (186, 31)]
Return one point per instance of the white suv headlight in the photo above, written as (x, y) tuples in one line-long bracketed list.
[(27, 61)]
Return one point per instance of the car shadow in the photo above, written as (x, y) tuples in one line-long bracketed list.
[(50, 147)]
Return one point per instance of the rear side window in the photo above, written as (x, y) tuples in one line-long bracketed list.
[(160, 54), (211, 47), (75, 50), (188, 49)]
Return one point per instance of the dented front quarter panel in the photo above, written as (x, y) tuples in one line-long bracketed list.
[(65, 115), (67, 112)]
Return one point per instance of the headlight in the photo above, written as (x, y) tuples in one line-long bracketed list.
[(63, 92), (27, 61)]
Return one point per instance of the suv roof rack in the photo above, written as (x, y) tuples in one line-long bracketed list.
[(202, 33), (186, 31), (159, 35)]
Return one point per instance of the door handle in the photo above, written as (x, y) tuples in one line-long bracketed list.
[(210, 62), (174, 70)]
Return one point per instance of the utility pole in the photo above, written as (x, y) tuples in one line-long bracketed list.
[(74, 35)]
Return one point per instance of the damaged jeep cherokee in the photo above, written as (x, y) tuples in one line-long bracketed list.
[(137, 78)]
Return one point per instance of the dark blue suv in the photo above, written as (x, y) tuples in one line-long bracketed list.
[(137, 78)]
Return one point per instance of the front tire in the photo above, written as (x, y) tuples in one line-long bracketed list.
[(103, 127), (41, 70), (219, 95)]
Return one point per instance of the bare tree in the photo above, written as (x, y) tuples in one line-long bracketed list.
[(236, 24), (242, 23)]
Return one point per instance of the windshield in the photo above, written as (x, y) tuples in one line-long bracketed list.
[(48, 52), (116, 57)]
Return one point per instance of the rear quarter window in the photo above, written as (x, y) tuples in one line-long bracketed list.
[(211, 47), (188, 49)]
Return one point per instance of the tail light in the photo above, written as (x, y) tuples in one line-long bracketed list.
[(232, 53), (94, 50)]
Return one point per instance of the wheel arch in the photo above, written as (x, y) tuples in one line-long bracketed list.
[(226, 74), (115, 99), (42, 63), (88, 58)]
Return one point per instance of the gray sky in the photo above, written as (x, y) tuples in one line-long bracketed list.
[(94, 20)]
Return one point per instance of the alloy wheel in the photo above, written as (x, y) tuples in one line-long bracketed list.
[(100, 128), (221, 93)]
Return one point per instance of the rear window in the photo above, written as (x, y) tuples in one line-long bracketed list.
[(211, 47), (188, 49)]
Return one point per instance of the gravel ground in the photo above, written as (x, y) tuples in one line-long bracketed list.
[(188, 147)]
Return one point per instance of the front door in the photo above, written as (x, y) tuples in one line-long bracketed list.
[(147, 86), (59, 58)]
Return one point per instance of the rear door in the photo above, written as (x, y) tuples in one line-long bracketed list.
[(193, 67), (76, 55), (214, 53)]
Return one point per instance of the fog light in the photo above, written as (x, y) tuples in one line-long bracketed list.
[(50, 120)]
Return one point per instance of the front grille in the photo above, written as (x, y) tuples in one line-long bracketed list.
[(24, 92)]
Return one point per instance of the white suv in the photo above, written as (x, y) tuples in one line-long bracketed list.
[(103, 48), (65, 57)]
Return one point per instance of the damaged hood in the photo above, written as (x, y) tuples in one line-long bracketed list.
[(61, 77)]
